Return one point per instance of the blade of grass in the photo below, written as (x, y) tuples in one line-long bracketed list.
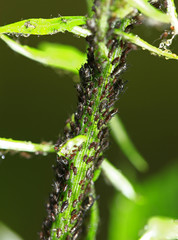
[(171, 11), (148, 10), (161, 228), (143, 44), (41, 26), (118, 180), (120, 135), (54, 55)]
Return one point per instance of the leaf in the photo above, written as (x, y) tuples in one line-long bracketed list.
[(161, 228), (171, 11), (7, 234), (71, 144), (10, 144), (118, 180), (140, 42), (41, 26), (160, 194), (50, 54), (120, 135), (148, 10)]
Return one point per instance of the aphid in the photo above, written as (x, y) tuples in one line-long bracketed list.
[(89, 159), (107, 85), (100, 81), (77, 225), (108, 118), (67, 174), (65, 228), (85, 120), (58, 232), (88, 92), (91, 145), (82, 181), (110, 42), (116, 60), (74, 203), (105, 145), (68, 237), (105, 113), (96, 117), (69, 193), (53, 217), (102, 105), (89, 110), (75, 170), (56, 186), (64, 206), (65, 187), (85, 157), (99, 124), (97, 154), (89, 174), (91, 103), (83, 186), (113, 112), (100, 160), (89, 124), (100, 134), (55, 209), (80, 197), (86, 130), (71, 166), (77, 130), (76, 234), (73, 212), (119, 69), (88, 203), (95, 90), (41, 234)]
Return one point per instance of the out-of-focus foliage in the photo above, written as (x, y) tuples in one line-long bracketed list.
[(160, 194)]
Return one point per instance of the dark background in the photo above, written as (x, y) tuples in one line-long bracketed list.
[(35, 102)]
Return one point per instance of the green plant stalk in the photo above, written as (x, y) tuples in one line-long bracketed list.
[(87, 156)]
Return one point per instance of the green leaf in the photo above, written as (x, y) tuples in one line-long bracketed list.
[(118, 180), (148, 10), (41, 26), (140, 42), (161, 228), (7, 234), (171, 11), (120, 135), (160, 194), (50, 54), (71, 144), (10, 144)]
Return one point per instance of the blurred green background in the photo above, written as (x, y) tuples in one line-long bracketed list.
[(35, 102)]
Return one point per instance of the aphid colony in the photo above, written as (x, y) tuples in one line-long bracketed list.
[(71, 197)]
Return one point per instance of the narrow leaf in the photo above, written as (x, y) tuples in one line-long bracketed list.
[(10, 144), (140, 42), (7, 234), (50, 54), (41, 26), (118, 180), (161, 228), (120, 135), (171, 11), (148, 10)]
